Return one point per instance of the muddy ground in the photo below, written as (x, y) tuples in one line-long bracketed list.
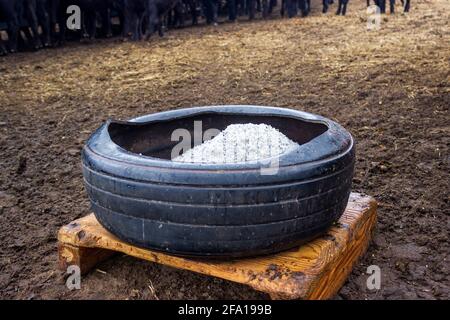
[(390, 88)]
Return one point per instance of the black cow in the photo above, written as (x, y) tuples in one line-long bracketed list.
[(192, 5), (20, 15), (156, 10), (342, 7), (28, 20), (135, 11), (326, 4), (267, 7), (9, 13), (146, 16), (211, 10), (89, 11), (232, 7), (406, 5), (176, 16), (304, 6), (42, 14), (292, 7), (382, 5), (58, 17)]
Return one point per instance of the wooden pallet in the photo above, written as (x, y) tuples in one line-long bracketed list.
[(316, 270)]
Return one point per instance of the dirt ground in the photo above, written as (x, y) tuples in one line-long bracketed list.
[(390, 88)]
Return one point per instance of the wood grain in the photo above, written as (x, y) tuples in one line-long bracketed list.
[(315, 270)]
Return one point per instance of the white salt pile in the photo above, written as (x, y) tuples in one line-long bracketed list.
[(240, 143)]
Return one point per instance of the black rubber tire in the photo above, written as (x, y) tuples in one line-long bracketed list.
[(218, 210)]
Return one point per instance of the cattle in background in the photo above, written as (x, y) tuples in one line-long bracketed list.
[(28, 20), (20, 15), (9, 15), (35, 23), (156, 10)]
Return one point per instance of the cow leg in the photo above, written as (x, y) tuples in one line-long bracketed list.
[(338, 12), (291, 7), (137, 30), (215, 11), (382, 5), (32, 20), (84, 22), (303, 7), (105, 14), (324, 6), (91, 25), (207, 11), (179, 14), (344, 7), (391, 6), (53, 17), (3, 50), (44, 20), (128, 17), (406, 6), (241, 7), (134, 28), (160, 30), (13, 34), (264, 8), (272, 3), (231, 10), (10, 13), (193, 9), (121, 15), (251, 7), (59, 17)]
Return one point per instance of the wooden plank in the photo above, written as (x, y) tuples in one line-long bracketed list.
[(84, 257), (315, 270)]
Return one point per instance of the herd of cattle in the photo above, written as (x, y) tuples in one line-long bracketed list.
[(33, 24)]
